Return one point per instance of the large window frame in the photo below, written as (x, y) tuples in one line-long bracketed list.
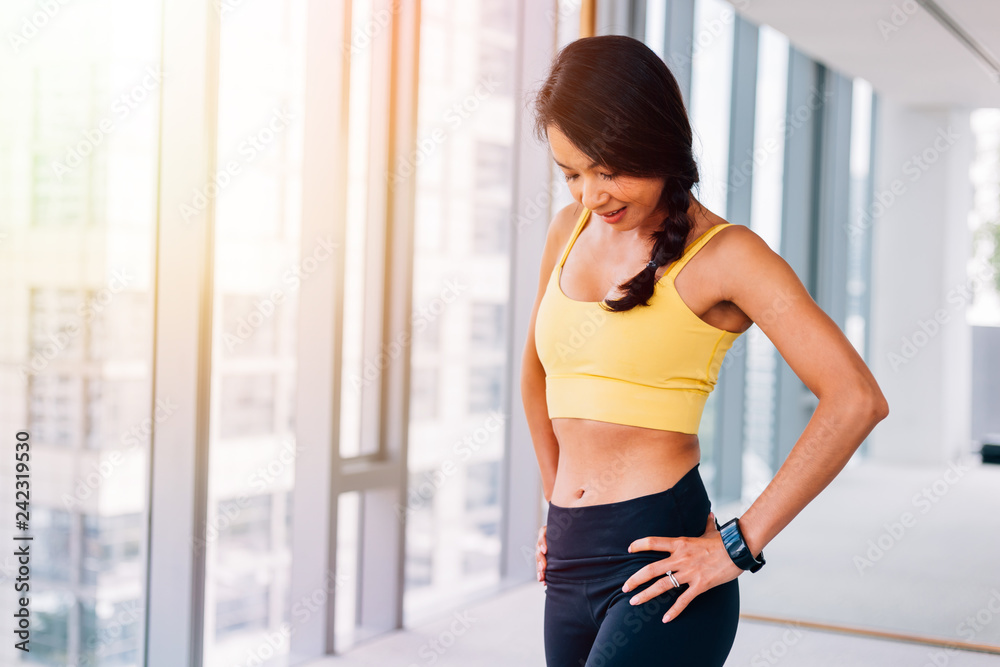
[(183, 320)]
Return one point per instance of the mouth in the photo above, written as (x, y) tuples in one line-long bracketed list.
[(611, 214)]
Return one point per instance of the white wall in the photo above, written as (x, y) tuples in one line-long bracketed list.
[(921, 344)]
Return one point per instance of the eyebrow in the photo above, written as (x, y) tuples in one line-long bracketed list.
[(592, 165)]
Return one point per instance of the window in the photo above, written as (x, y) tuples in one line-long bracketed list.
[(492, 168), (247, 405), (110, 631), (55, 412), (771, 124), (482, 506), (711, 85), (463, 285), (111, 547), (69, 176), (50, 617), (485, 385), (78, 204), (859, 242), (52, 543), (241, 604), (424, 394), (488, 325), (496, 64), (490, 229), (260, 269), (249, 326), (363, 123)]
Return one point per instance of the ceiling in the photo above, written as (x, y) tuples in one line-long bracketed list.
[(898, 46)]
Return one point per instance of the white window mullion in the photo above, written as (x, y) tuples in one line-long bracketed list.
[(182, 354), (320, 332)]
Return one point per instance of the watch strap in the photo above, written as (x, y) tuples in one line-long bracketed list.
[(732, 538)]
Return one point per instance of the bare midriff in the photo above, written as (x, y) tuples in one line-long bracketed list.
[(601, 462)]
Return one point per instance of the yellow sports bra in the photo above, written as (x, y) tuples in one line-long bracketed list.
[(652, 366)]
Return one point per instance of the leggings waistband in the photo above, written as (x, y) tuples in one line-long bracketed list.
[(591, 541)]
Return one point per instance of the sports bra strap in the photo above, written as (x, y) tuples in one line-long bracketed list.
[(572, 237), (695, 246)]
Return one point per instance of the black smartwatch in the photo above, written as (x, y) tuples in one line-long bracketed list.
[(732, 537)]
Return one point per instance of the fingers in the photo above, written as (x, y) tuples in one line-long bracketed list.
[(540, 549), (657, 588), (680, 603), (654, 544), (645, 574)]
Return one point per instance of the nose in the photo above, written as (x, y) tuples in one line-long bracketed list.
[(593, 195)]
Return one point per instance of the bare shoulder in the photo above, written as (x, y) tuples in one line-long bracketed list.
[(740, 260), (755, 277), (739, 238), (741, 249)]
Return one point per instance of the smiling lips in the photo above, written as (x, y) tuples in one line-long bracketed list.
[(612, 213)]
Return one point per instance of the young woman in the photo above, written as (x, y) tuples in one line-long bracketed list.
[(642, 292)]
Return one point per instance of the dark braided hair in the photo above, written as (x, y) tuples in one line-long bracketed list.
[(618, 102)]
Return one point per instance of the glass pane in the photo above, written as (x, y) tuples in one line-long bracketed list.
[(532, 208), (356, 374), (460, 287), (567, 24), (770, 126), (708, 111), (656, 25), (258, 272), (711, 86), (78, 182), (984, 309), (859, 238), (348, 548)]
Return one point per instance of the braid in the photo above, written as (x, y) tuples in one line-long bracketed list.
[(668, 246)]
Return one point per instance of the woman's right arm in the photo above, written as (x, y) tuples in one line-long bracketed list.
[(532, 372)]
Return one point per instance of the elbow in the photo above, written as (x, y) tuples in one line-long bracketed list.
[(878, 406), (883, 409), (865, 405), (870, 403)]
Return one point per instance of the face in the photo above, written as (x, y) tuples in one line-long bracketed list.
[(603, 191)]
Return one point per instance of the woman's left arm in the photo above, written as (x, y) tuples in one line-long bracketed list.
[(766, 289)]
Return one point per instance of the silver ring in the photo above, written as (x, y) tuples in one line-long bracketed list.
[(673, 579)]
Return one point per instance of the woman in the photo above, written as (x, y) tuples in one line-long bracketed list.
[(642, 291)]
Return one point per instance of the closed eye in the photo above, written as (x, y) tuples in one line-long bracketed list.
[(609, 177)]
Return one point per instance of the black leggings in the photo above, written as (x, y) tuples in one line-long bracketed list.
[(588, 619)]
